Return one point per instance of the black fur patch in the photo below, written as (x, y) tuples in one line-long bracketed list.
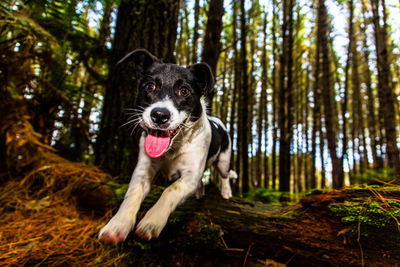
[(219, 139), (168, 78)]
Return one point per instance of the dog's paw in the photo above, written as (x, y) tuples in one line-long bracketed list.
[(226, 192), (115, 231), (149, 228), (148, 231)]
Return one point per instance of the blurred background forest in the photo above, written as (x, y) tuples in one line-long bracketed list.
[(309, 90)]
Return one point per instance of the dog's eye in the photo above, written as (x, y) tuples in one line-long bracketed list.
[(150, 87), (183, 92)]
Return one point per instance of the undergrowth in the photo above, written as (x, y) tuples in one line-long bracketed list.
[(371, 219)]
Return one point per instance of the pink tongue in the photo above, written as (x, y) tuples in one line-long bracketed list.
[(155, 145)]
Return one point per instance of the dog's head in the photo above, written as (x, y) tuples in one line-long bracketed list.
[(168, 97)]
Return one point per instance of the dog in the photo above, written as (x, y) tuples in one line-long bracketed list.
[(178, 139)]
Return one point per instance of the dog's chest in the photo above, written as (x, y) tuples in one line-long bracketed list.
[(173, 168), (187, 154)]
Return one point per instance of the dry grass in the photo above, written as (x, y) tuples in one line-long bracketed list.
[(54, 233), (40, 222)]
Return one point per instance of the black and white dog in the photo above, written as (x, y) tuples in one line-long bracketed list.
[(179, 140)]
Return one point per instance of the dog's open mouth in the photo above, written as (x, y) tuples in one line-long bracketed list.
[(158, 141)]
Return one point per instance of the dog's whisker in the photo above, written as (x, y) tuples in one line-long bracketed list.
[(135, 108), (135, 126), (134, 117), (129, 122), (134, 113)]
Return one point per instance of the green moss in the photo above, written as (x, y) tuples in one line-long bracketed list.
[(372, 219), (270, 196), (185, 233)]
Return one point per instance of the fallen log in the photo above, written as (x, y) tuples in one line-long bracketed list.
[(310, 233)]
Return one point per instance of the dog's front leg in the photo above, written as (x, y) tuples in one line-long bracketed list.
[(118, 228), (156, 218)]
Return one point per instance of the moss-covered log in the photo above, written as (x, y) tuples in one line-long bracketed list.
[(316, 232)]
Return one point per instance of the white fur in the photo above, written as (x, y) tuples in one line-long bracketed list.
[(184, 162)]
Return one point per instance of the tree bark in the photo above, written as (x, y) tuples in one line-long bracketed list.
[(244, 107), (236, 98), (275, 16), (286, 97), (151, 25), (385, 90), (262, 126), (321, 153), (212, 43), (372, 121), (346, 82), (254, 178), (316, 117), (306, 131), (323, 34), (195, 30)]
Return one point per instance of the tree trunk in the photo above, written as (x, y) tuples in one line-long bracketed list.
[(260, 115), (212, 44), (286, 97), (306, 132), (195, 30), (255, 179), (321, 152), (223, 109), (323, 34), (385, 90), (346, 83), (358, 98), (263, 112), (316, 118), (372, 121), (105, 30), (236, 98), (244, 107), (151, 25), (275, 16)]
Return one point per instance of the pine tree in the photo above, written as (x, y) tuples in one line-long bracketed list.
[(151, 25)]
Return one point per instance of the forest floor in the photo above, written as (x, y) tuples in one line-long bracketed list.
[(52, 210), (51, 228)]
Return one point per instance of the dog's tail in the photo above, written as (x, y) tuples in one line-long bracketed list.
[(232, 175)]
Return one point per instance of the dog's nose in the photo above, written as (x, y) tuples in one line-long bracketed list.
[(160, 115)]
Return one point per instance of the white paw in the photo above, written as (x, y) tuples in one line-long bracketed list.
[(115, 231), (150, 227), (226, 192)]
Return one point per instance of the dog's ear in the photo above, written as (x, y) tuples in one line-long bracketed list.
[(204, 77), (141, 58)]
